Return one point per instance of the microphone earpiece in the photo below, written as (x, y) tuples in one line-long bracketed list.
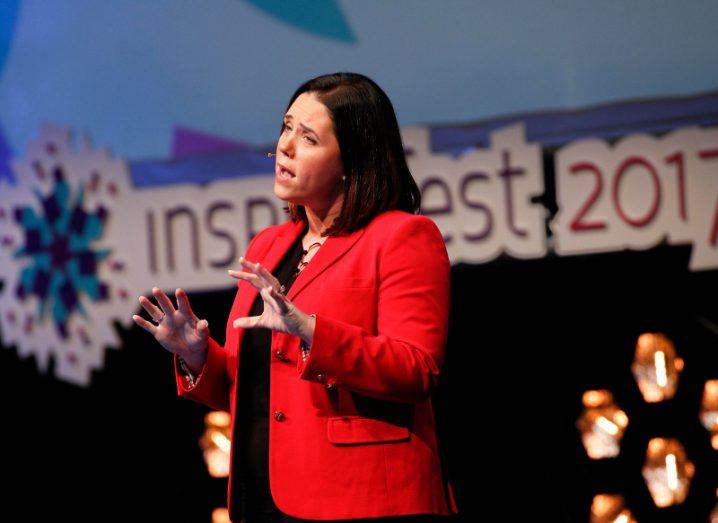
[(269, 155)]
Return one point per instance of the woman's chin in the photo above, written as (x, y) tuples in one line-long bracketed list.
[(282, 193)]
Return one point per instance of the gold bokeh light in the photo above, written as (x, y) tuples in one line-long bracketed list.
[(216, 443), (610, 508), (601, 424), (667, 471), (709, 410), (656, 367)]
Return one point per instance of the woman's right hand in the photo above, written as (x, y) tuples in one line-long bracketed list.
[(177, 330)]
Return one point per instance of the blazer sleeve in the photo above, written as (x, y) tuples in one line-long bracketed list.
[(402, 361), (212, 385)]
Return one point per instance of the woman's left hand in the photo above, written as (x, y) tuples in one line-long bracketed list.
[(279, 313)]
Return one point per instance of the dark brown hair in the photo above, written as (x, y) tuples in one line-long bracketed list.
[(377, 176)]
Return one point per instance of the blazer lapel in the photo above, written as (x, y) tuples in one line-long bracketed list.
[(332, 250), (281, 245)]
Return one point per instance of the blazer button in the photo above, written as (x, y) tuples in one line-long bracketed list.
[(321, 377), (280, 355), (278, 415)]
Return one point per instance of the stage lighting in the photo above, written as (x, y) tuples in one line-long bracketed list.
[(656, 367), (667, 472), (714, 515), (709, 410), (602, 425), (608, 508), (216, 443), (221, 515)]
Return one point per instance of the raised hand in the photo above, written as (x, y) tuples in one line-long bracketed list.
[(177, 330), (279, 313)]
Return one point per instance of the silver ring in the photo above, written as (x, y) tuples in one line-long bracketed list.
[(157, 322)]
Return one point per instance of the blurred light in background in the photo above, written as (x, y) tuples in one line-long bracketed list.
[(714, 515), (609, 508), (216, 443), (709, 410), (221, 515), (656, 367), (602, 425), (667, 471)]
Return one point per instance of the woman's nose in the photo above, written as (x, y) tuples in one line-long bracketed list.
[(286, 145)]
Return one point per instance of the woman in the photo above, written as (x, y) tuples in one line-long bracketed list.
[(337, 332)]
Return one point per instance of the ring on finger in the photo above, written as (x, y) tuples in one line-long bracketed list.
[(157, 321)]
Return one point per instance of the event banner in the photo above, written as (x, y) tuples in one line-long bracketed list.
[(80, 240)]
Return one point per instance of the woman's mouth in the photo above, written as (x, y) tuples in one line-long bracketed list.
[(283, 174)]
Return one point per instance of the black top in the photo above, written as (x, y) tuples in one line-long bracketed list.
[(252, 468)]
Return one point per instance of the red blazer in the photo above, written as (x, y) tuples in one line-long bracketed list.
[(351, 432)]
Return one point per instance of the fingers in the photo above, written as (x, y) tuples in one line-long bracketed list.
[(164, 302), (264, 276), (279, 301), (268, 276), (154, 311), (203, 329), (149, 327), (248, 276), (269, 299), (246, 323), (183, 304)]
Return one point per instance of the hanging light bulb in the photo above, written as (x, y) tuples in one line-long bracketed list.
[(610, 508), (601, 424), (667, 471), (709, 410), (216, 443), (656, 367)]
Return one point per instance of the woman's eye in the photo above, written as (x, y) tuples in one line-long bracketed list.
[(287, 128)]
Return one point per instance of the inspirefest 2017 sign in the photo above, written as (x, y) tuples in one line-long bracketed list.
[(79, 242)]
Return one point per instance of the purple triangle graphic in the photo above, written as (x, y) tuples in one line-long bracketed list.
[(188, 142)]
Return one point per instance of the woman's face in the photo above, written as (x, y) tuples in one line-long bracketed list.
[(308, 169)]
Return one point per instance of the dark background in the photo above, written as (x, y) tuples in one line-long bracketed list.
[(527, 338)]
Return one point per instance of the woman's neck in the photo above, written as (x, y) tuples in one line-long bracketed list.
[(320, 220)]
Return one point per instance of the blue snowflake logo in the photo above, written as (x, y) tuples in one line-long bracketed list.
[(58, 244)]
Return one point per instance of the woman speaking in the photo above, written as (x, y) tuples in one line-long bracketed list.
[(336, 337)]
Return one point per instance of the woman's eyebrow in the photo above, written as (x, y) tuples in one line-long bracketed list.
[(289, 117)]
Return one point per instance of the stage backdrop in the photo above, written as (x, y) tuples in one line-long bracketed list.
[(567, 151)]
